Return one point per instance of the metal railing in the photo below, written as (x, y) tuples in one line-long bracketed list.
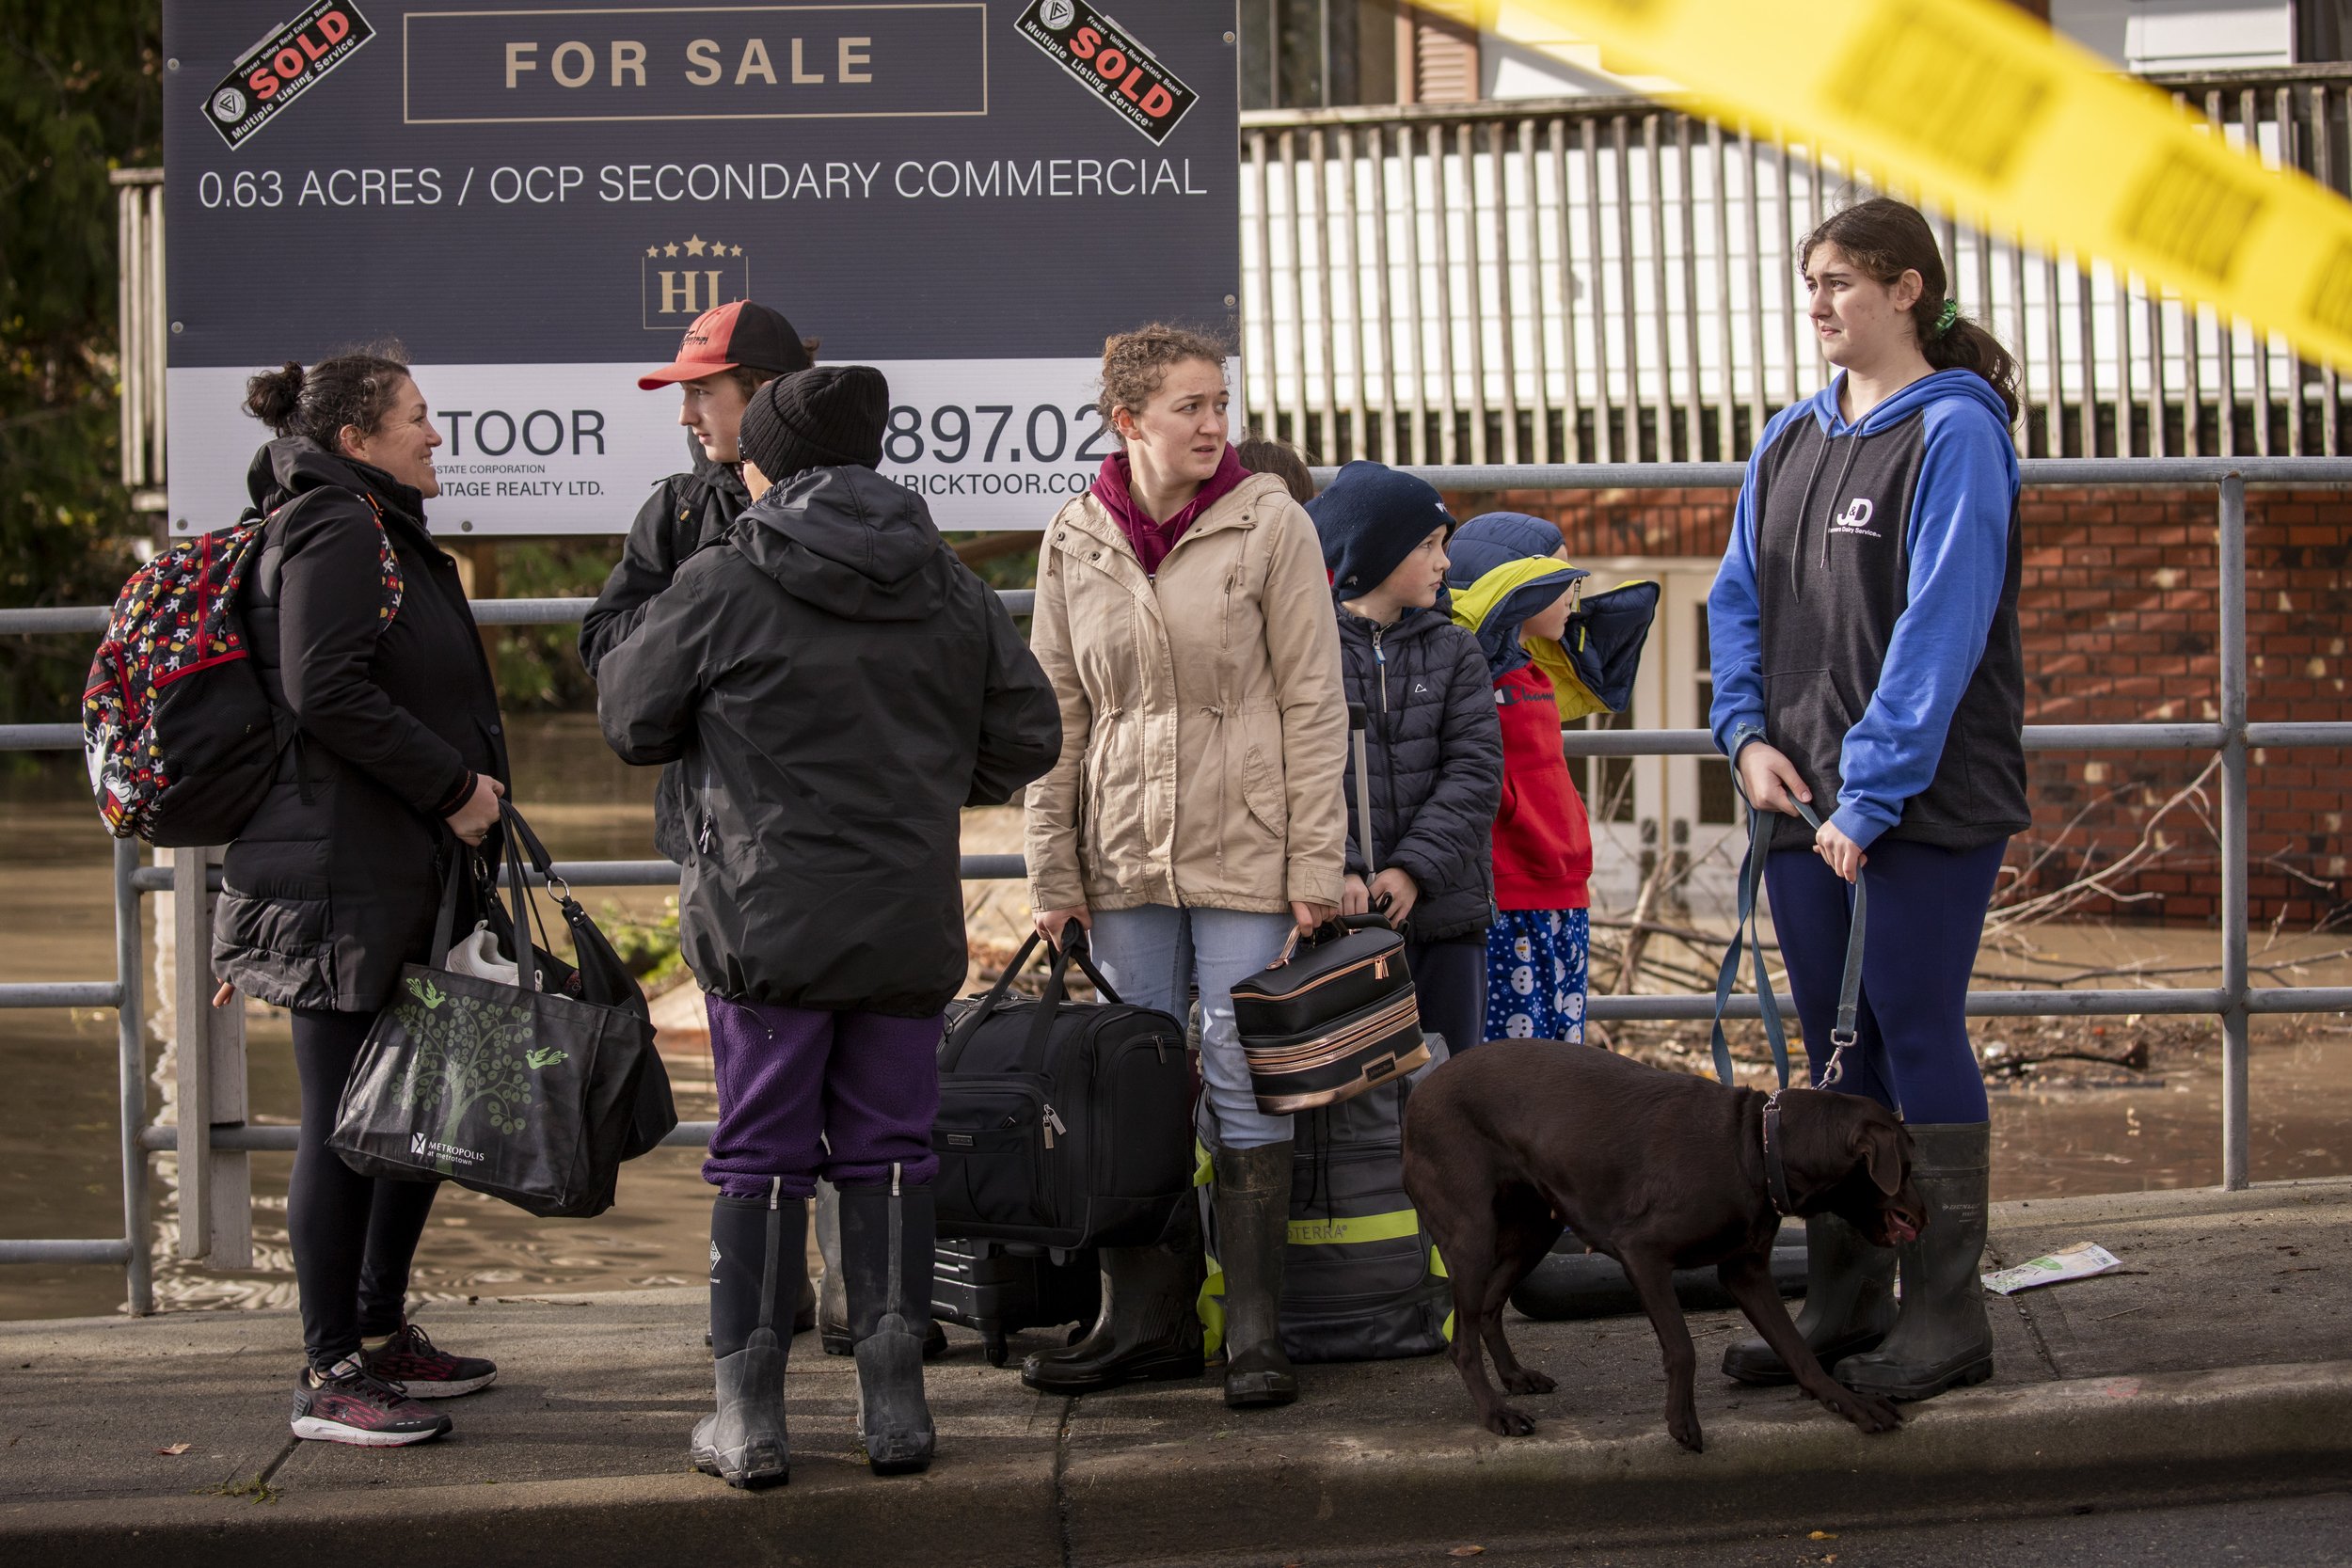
[(213, 1136)]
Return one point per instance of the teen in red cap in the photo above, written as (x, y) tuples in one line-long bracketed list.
[(726, 356)]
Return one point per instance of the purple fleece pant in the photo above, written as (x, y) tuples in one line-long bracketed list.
[(803, 1094)]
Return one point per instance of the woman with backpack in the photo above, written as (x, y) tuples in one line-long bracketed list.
[(1195, 819), (1866, 663), (360, 632)]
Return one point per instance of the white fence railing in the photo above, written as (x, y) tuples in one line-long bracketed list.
[(1612, 280)]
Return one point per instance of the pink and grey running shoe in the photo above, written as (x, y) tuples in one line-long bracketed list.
[(412, 1366), (345, 1405)]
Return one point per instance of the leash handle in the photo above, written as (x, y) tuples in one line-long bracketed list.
[(1849, 985)]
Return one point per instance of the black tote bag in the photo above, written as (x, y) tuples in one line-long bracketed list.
[(519, 1091)]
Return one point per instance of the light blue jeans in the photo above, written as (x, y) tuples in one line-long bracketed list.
[(1156, 955)]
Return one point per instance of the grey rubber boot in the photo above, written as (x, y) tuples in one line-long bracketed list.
[(756, 1250), (1849, 1303), (832, 1301), (1147, 1330), (1941, 1339), (1253, 1221), (886, 1256)]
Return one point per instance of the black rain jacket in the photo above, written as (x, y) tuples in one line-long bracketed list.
[(837, 687), (687, 514), (336, 880), (1435, 751)]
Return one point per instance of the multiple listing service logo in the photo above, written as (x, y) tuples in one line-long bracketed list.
[(284, 66), (682, 279), (1103, 55)]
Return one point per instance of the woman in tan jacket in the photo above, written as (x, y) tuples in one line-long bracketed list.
[(1195, 819)]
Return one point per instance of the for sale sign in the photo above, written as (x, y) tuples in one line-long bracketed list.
[(536, 201)]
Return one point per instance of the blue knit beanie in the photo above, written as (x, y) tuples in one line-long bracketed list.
[(1371, 517)]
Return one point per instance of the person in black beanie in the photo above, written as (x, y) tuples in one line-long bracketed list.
[(1433, 744), (839, 687)]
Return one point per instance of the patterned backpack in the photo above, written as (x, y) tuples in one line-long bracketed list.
[(181, 737)]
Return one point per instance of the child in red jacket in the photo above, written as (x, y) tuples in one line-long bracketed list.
[(1511, 587)]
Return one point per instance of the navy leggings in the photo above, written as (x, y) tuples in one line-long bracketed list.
[(1927, 915)]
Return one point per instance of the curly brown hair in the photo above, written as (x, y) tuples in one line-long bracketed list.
[(1135, 364)]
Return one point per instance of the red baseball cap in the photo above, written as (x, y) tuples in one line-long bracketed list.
[(739, 334)]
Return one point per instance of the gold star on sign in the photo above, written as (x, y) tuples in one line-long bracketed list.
[(669, 250), (694, 246), (734, 250), (653, 250)]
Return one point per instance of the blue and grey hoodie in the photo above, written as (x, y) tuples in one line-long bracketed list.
[(1865, 619)]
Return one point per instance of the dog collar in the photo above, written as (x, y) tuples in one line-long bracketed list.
[(1775, 1174)]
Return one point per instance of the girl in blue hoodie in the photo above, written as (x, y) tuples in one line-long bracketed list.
[(1864, 642)]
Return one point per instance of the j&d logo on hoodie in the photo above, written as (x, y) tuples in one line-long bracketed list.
[(1108, 60), (1856, 518)]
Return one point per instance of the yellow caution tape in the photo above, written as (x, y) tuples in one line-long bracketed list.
[(1989, 114)]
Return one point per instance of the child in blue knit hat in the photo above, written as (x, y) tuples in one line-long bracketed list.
[(1434, 751)]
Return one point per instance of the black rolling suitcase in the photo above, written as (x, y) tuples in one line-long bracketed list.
[(999, 1289)]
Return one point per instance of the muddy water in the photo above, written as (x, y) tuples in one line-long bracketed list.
[(59, 1175)]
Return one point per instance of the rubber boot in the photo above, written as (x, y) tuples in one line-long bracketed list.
[(1148, 1330), (833, 1302), (886, 1266), (1941, 1337), (1253, 1221), (756, 1253), (1849, 1303)]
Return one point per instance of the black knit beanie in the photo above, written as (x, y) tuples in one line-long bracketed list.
[(829, 416)]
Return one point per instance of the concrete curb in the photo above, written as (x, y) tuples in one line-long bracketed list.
[(2054, 1445), (2168, 1436)]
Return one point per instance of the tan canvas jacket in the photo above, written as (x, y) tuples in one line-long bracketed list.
[(1205, 734)]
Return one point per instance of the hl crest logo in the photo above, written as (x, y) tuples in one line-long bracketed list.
[(680, 279)]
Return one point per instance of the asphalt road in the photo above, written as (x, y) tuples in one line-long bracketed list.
[(2288, 1532)]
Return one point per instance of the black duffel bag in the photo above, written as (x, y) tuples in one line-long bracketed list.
[(1063, 1124), (519, 1091)]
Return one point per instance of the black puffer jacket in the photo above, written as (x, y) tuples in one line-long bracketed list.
[(839, 687), (1435, 753), (336, 880), (685, 513)]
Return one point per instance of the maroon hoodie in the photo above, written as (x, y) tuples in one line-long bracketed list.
[(1153, 541)]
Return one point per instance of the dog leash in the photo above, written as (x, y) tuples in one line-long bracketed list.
[(1849, 985)]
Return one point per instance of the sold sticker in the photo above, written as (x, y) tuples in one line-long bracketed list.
[(284, 66), (1105, 58)]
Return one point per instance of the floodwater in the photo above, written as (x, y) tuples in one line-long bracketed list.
[(60, 1173)]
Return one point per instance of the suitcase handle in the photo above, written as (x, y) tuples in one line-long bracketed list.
[(1072, 948)]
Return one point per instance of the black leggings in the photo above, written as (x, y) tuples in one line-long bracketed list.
[(353, 1235)]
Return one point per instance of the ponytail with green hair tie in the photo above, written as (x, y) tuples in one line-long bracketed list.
[(1945, 317)]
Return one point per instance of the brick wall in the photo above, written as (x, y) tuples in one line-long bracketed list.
[(2118, 613)]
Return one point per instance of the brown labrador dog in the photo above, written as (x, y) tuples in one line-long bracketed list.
[(1660, 1170)]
